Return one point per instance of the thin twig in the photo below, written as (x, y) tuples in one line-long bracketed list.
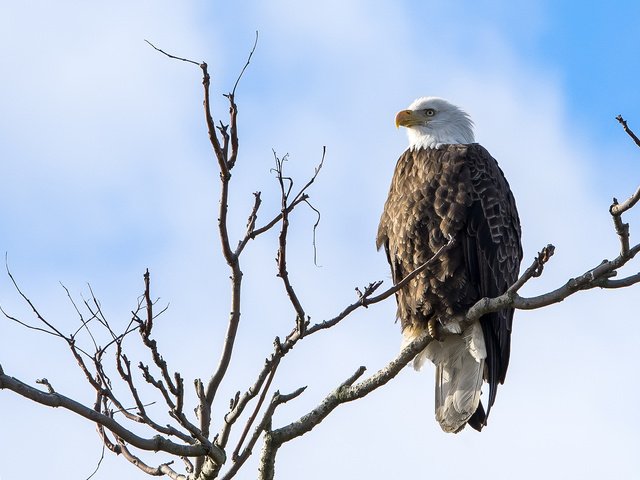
[(161, 470), (171, 56), (84, 324), (273, 222), (45, 382), (99, 462), (53, 330), (366, 301), (251, 223), (535, 270), (315, 227), (253, 49)]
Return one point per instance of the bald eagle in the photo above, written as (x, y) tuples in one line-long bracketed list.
[(445, 187)]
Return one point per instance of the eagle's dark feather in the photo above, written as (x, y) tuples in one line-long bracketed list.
[(454, 191)]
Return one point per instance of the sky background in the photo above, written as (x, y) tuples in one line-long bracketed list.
[(107, 170)]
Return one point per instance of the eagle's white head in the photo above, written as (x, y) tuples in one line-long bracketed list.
[(432, 122)]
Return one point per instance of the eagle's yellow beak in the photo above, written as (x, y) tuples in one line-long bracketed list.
[(408, 118)]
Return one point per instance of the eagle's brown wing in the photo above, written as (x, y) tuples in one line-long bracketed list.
[(492, 252)]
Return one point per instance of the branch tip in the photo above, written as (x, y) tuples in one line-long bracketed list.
[(173, 56)]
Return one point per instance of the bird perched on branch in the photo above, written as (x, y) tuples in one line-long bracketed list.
[(446, 187)]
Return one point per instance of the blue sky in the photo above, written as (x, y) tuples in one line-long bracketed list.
[(107, 171)]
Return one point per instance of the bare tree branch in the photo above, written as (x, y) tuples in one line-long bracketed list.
[(263, 426), (52, 330), (621, 283), (301, 320), (619, 209), (596, 277), (163, 469), (252, 417), (251, 224), (347, 391), (629, 132), (274, 221), (142, 413), (154, 444)]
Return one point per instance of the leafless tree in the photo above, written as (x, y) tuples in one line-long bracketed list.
[(120, 408)]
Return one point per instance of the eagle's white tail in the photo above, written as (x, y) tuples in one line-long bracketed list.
[(459, 361)]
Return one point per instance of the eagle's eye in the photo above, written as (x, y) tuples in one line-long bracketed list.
[(429, 112)]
